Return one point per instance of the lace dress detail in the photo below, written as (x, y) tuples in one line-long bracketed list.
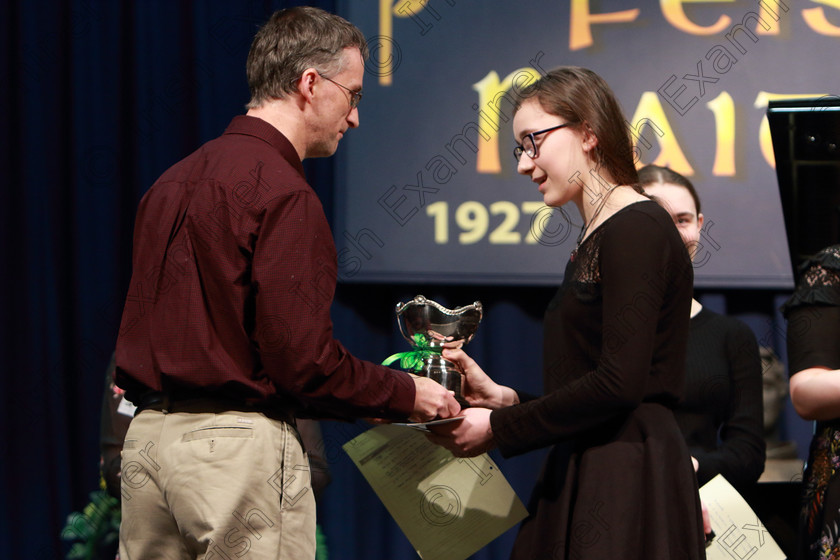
[(819, 282), (585, 271), (823, 269)]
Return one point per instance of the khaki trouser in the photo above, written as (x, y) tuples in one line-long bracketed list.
[(215, 485)]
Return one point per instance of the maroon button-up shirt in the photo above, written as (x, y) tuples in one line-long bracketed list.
[(234, 272)]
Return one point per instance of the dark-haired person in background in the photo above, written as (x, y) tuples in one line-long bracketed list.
[(721, 413), (226, 334)]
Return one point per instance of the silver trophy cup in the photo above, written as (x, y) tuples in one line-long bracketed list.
[(429, 328)]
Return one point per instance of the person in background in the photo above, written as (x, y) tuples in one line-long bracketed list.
[(226, 336), (776, 393), (618, 480), (721, 413), (813, 332), (114, 421)]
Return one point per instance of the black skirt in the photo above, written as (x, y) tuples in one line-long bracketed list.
[(629, 493)]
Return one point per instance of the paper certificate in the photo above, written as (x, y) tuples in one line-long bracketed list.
[(449, 508), (739, 534)]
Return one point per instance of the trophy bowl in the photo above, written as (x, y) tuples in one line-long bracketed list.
[(430, 327)]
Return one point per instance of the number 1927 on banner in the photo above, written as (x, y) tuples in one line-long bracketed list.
[(501, 222)]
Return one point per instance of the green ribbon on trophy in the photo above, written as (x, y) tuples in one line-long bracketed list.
[(414, 359)]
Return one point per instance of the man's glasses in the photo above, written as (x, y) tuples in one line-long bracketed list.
[(355, 95), (529, 143)]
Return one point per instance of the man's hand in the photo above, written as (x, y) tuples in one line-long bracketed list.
[(432, 400)]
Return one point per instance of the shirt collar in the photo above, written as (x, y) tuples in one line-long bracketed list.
[(258, 128)]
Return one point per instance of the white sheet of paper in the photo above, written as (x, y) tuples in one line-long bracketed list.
[(449, 508), (738, 531), (126, 407)]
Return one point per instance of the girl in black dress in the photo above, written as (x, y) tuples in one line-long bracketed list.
[(618, 481)]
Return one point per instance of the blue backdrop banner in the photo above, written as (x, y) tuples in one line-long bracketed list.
[(430, 187)]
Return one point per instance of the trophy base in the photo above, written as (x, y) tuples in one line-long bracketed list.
[(447, 374)]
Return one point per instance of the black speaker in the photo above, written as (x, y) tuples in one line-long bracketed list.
[(806, 143)]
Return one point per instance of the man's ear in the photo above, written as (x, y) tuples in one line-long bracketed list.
[(306, 83)]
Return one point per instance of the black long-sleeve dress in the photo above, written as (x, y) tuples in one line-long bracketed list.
[(813, 339), (618, 481), (721, 413)]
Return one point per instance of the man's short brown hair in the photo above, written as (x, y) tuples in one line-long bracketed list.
[(293, 40)]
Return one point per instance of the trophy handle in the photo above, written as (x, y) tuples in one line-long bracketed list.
[(402, 331)]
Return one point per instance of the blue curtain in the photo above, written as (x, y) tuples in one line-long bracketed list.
[(98, 99)]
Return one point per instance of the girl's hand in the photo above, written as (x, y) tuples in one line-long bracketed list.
[(479, 390), (468, 437)]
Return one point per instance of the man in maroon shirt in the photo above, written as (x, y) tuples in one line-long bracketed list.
[(226, 333)]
